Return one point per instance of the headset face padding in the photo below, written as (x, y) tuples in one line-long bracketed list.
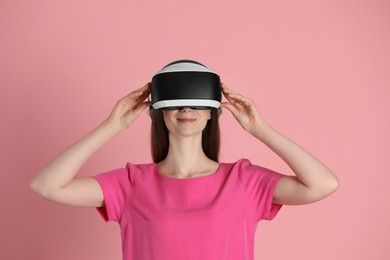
[(186, 83)]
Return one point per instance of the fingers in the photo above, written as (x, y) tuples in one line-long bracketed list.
[(225, 89), (240, 99), (138, 95), (230, 107), (141, 107), (225, 92), (228, 92), (234, 97), (145, 90)]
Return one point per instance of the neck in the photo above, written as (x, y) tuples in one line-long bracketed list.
[(185, 157)]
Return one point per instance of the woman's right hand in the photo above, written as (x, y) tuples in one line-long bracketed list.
[(56, 181), (128, 108)]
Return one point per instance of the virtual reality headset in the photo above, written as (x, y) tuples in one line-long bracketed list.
[(186, 83)]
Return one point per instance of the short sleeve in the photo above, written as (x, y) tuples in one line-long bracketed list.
[(260, 183), (116, 186)]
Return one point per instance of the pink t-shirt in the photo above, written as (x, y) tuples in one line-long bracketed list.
[(212, 217)]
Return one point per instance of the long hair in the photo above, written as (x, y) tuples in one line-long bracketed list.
[(160, 137)]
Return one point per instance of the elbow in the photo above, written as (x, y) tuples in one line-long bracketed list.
[(34, 185), (39, 188), (334, 183), (333, 186), (323, 189), (330, 187)]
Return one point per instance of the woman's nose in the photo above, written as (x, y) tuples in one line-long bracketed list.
[(185, 109)]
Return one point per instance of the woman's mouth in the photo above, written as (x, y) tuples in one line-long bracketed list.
[(186, 120)]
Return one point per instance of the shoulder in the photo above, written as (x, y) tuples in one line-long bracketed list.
[(235, 167), (124, 174), (140, 170), (238, 164), (142, 167), (246, 169)]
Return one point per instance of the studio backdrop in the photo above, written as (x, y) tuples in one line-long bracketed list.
[(318, 72)]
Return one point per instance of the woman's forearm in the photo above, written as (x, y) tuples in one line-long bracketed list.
[(62, 169), (309, 170), (313, 180)]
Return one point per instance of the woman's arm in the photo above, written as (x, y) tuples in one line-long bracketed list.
[(57, 181), (313, 180)]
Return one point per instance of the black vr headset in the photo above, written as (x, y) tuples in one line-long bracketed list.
[(186, 83)]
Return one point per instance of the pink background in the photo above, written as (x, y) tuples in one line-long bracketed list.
[(319, 72)]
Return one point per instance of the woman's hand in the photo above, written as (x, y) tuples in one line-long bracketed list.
[(313, 180), (128, 108), (57, 181), (243, 109)]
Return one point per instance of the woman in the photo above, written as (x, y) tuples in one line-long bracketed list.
[(186, 205)]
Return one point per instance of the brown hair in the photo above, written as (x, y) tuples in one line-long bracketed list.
[(160, 138)]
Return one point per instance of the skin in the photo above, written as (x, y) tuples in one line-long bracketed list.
[(186, 158), (57, 180), (313, 181)]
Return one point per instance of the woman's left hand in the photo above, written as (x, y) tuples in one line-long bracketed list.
[(243, 109), (313, 180)]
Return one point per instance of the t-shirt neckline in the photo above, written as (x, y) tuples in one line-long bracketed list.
[(158, 173)]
